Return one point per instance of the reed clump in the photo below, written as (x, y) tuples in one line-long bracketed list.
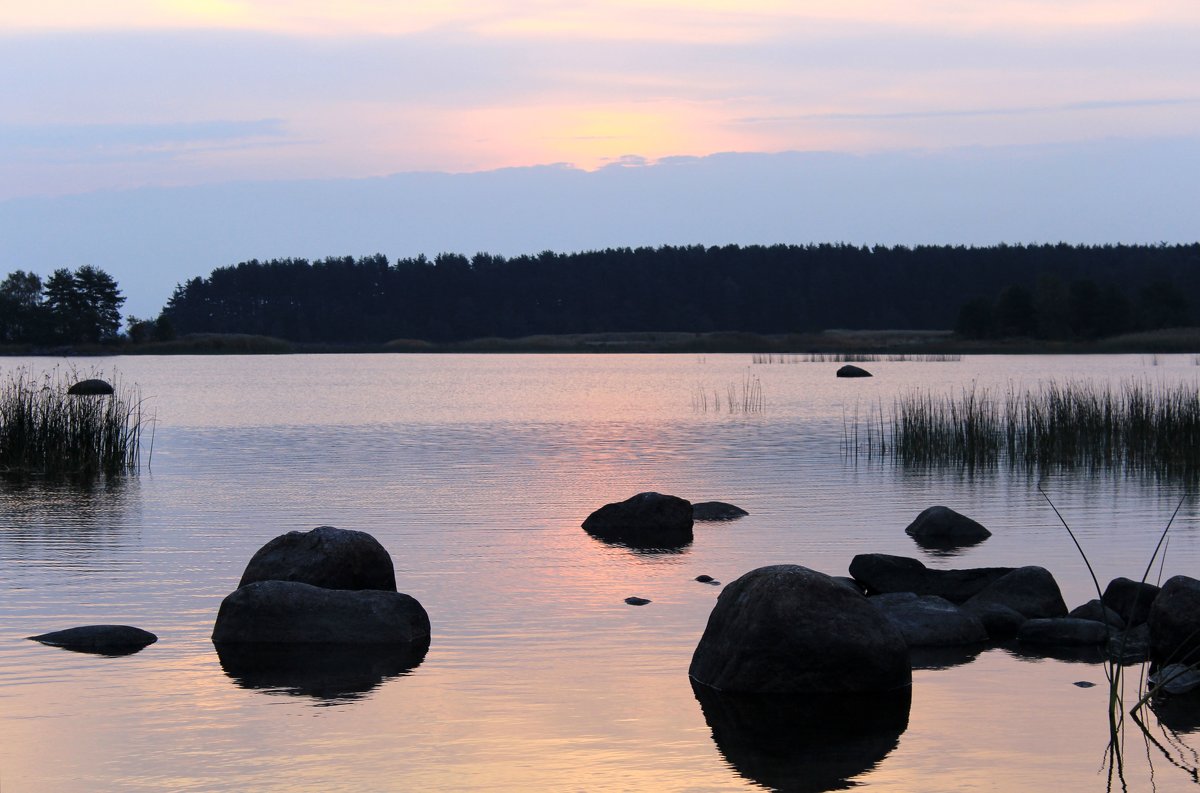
[(746, 399), (1135, 426), (46, 431)]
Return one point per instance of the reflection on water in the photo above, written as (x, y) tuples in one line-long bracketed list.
[(330, 673), (475, 472), (944, 657), (804, 742)]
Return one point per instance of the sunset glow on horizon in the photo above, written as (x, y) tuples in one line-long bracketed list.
[(179, 92)]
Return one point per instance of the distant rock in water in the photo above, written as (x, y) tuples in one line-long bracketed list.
[(717, 510), (636, 601), (850, 370), (326, 557), (880, 573), (99, 639), (941, 528), (647, 520), (91, 387)]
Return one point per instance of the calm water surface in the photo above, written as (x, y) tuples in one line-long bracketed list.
[(475, 472)]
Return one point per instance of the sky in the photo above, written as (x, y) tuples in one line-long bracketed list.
[(101, 100)]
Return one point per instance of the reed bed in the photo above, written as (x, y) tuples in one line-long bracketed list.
[(746, 399), (1135, 426), (849, 357), (44, 430)]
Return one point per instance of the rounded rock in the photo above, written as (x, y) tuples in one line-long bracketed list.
[(789, 629), (326, 557)]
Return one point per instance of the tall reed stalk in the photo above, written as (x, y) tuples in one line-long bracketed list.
[(44, 430)]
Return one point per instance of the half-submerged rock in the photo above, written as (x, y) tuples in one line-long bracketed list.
[(717, 510), (326, 557), (941, 528), (647, 520), (99, 639), (91, 387), (789, 629), (850, 370)]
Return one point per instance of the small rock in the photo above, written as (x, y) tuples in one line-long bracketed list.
[(1030, 591), (1084, 684), (849, 370), (704, 579), (942, 528), (101, 639), (636, 601), (717, 510)]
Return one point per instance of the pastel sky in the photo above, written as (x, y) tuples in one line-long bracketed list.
[(132, 93)]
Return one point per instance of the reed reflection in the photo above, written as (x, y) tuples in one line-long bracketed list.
[(68, 523), (804, 743), (329, 673)]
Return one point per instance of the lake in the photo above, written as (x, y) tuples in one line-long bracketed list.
[(475, 472)]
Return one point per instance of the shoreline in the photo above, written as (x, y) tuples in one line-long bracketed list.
[(829, 342)]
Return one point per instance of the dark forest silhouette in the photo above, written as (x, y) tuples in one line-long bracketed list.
[(1048, 291), (1041, 291)]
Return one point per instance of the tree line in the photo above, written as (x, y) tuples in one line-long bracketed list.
[(1051, 291), (79, 307), (1042, 291)]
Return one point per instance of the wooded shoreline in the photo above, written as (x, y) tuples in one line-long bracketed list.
[(834, 343)]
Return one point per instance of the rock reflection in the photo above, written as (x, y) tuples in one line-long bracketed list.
[(940, 549), (1179, 713), (804, 742), (944, 657), (634, 544), (1070, 654), (331, 673)]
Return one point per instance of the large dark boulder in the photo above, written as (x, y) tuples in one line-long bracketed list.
[(881, 573), (850, 370), (929, 620), (294, 612), (717, 510), (941, 528), (1175, 622), (1131, 599), (326, 557), (788, 629), (99, 639), (647, 520), (1030, 591), (1064, 631)]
